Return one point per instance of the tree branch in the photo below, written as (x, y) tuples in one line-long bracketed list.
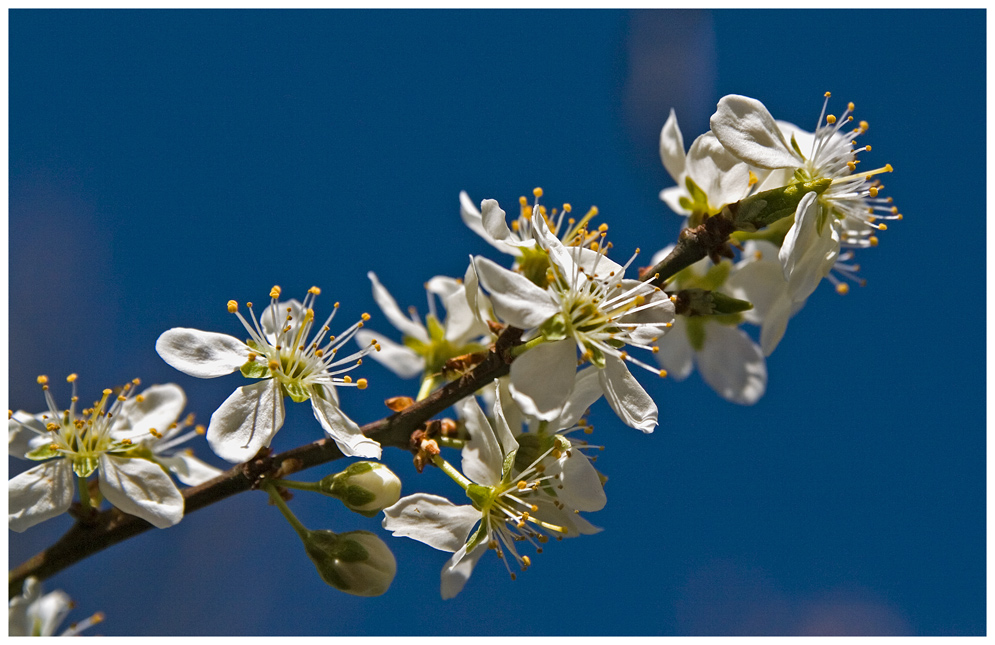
[(112, 526)]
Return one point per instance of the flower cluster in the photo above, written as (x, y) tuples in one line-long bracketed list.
[(771, 210), (746, 153)]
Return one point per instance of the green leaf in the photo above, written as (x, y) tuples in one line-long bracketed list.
[(597, 356), (509, 461)]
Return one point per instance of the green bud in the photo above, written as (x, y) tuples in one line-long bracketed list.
[(358, 562), (723, 304), (767, 207), (366, 487)]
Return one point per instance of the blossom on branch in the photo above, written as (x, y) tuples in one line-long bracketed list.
[(279, 353), (105, 438)]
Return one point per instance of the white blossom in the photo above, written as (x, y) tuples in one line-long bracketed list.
[(589, 306), (105, 438), (279, 353), (845, 214), (512, 500), (36, 614)]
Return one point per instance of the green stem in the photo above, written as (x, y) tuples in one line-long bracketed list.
[(451, 442), (427, 385), (274, 496), (521, 349), (456, 475), (287, 483), (84, 494)]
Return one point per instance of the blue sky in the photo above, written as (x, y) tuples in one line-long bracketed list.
[(162, 163)]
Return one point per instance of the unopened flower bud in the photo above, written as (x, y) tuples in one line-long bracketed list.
[(358, 562), (366, 487)]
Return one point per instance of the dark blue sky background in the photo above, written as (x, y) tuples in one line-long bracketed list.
[(162, 163)]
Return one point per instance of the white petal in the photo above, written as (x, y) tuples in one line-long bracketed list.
[(724, 178), (50, 610), (399, 359), (246, 421), (25, 432), (626, 396), (582, 489), (672, 147), (157, 407), (586, 390), (274, 318), (40, 493), (474, 221), (760, 280), (494, 220), (568, 259), (443, 286), (503, 432), (516, 300), (543, 377), (806, 256), (482, 455), (463, 321), (432, 520), (188, 469), (676, 354), (672, 198), (142, 488), (748, 131), (204, 354), (457, 571), (390, 309), (732, 364), (775, 324), (343, 430)]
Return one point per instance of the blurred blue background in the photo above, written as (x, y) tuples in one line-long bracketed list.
[(164, 162)]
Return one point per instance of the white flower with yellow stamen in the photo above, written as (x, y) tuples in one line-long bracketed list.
[(845, 214), (35, 614), (708, 177), (105, 438), (588, 306), (509, 504), (279, 353)]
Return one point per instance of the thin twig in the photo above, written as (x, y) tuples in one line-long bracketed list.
[(112, 526)]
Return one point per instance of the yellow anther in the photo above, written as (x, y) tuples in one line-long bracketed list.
[(534, 508), (873, 191), (51, 427), (107, 392), (365, 316), (521, 485), (842, 288), (319, 353), (155, 433), (830, 119), (753, 179), (314, 291), (347, 379), (526, 561), (656, 350), (513, 576), (543, 539), (882, 227), (537, 192), (274, 365), (873, 240), (309, 316), (336, 305), (852, 166), (232, 306), (492, 545), (515, 225), (850, 106), (377, 346), (556, 453), (589, 430), (673, 299), (71, 378), (864, 125), (567, 208), (602, 228), (899, 216), (867, 148), (828, 95), (126, 442), (639, 300), (362, 383), (888, 168), (540, 468), (663, 373), (894, 210), (274, 292), (42, 380), (121, 397)]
